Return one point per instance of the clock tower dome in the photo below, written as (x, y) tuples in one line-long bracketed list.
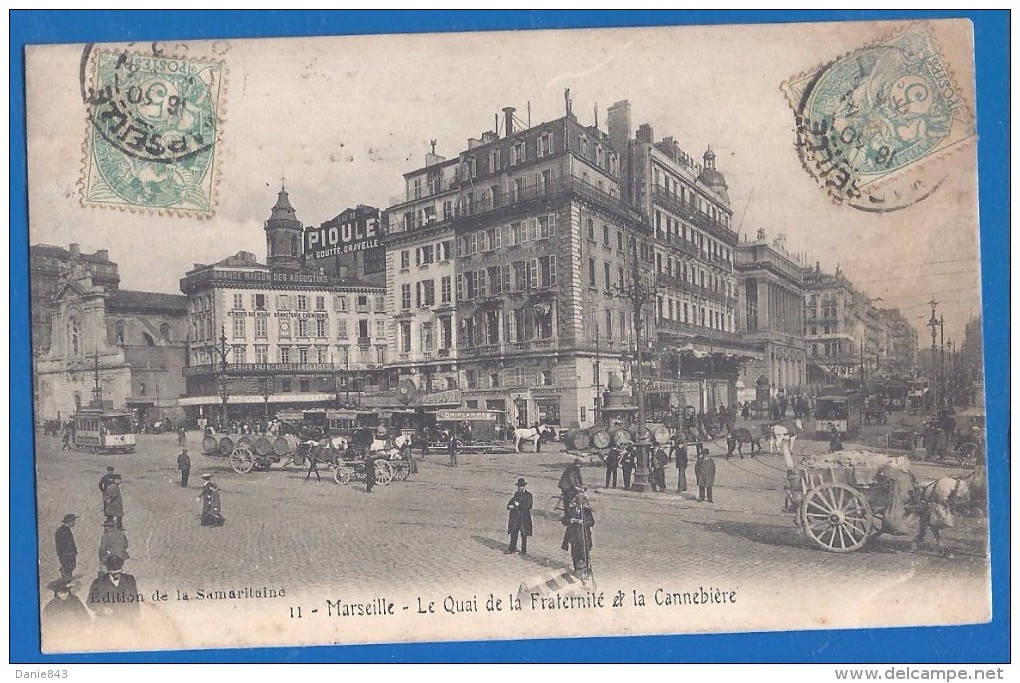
[(284, 235)]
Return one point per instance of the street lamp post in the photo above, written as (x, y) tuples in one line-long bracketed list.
[(224, 393), (265, 397), (598, 380), (639, 295), (933, 322)]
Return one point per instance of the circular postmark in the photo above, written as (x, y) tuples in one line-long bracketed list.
[(867, 121), (151, 108)]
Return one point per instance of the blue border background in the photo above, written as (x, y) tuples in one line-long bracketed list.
[(983, 643)]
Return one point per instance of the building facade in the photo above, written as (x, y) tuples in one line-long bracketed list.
[(771, 296), (281, 334), (49, 266), (134, 340), (899, 359), (349, 245)]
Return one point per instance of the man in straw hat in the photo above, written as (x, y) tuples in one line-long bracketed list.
[(67, 550), (519, 523)]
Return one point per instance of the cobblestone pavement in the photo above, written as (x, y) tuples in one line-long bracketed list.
[(447, 527)]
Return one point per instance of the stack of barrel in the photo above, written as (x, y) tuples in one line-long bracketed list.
[(264, 446), (601, 438)]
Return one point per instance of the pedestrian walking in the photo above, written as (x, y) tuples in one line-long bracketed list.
[(313, 462), (454, 448), (113, 503), (64, 615), (369, 473), (570, 483), (212, 511), (114, 597), (704, 472), (114, 543), (182, 436), (835, 439), (745, 412), (66, 445), (612, 465), (106, 479), (519, 523), (659, 469), (627, 464), (184, 465), (681, 468), (577, 538), (67, 551)]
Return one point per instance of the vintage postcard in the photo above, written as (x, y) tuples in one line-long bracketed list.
[(507, 335)]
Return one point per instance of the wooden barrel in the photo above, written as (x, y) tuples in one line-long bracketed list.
[(210, 444), (601, 438), (285, 445), (638, 435), (264, 446), (621, 436), (660, 434), (248, 441), (578, 439), (227, 444)]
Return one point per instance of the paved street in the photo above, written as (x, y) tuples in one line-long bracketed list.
[(445, 529)]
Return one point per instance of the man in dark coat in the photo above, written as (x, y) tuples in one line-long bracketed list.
[(681, 467), (369, 473), (114, 595), (835, 440), (212, 513), (577, 538), (113, 503), (64, 615), (612, 465), (704, 472), (520, 518), (113, 543), (627, 463), (454, 447), (659, 469), (67, 551), (313, 460), (184, 465), (106, 479), (570, 483)]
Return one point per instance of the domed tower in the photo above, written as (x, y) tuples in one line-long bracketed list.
[(713, 178), (284, 235)]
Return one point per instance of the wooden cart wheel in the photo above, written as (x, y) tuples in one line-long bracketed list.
[(402, 471), (241, 460), (383, 472), (554, 507), (341, 475), (836, 517)]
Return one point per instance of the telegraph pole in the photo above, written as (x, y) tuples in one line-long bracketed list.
[(639, 295), (942, 352), (933, 322)]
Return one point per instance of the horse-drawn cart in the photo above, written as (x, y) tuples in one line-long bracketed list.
[(843, 499), (479, 431)]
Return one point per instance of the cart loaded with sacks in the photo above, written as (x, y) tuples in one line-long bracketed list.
[(843, 499)]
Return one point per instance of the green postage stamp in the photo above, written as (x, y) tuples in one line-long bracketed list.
[(153, 125)]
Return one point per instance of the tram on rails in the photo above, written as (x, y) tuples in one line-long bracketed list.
[(842, 411), (97, 429)]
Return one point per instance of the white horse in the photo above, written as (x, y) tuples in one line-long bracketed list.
[(396, 443), (532, 434), (782, 439)]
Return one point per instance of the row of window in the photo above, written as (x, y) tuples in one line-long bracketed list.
[(425, 292), (695, 275), (303, 328), (509, 235), (675, 229), (427, 332), (339, 355), (518, 276), (511, 377), (703, 316), (427, 254), (301, 302), (688, 195)]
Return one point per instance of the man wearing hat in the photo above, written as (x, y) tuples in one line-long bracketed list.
[(114, 595), (520, 518), (211, 512), (113, 542), (704, 472), (184, 465), (113, 504), (570, 483), (106, 479), (64, 615), (67, 551)]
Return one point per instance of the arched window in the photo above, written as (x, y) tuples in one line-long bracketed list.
[(74, 333), (119, 333), (294, 244), (164, 331), (149, 341)]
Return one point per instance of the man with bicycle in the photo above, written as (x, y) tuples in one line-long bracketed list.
[(570, 484)]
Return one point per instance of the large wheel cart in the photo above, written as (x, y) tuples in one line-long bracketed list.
[(840, 500)]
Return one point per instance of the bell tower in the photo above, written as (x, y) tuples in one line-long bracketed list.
[(284, 235)]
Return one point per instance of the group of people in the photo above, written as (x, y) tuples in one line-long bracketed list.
[(624, 457)]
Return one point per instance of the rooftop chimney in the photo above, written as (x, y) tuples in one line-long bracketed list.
[(103, 254), (508, 120), (75, 248), (645, 133)]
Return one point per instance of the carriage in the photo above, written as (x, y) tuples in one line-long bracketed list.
[(98, 429), (842, 411), (842, 499), (480, 431)]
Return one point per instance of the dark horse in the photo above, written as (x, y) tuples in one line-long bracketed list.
[(736, 439)]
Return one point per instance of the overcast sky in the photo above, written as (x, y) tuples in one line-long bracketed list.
[(345, 117)]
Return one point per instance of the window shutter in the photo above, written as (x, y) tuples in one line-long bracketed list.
[(483, 285), (512, 326), (460, 286), (552, 225), (483, 241), (533, 276), (533, 228), (552, 270)]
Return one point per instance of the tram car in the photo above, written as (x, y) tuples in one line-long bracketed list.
[(842, 411), (102, 430)]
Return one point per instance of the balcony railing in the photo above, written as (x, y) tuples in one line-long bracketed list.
[(690, 213), (550, 188), (677, 327), (484, 350), (275, 368)]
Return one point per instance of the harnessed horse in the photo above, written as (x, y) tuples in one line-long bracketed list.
[(390, 447), (935, 503), (533, 434), (782, 439)]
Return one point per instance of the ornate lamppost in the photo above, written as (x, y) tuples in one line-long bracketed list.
[(224, 389)]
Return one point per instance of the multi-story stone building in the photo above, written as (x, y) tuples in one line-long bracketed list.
[(49, 266), (134, 340), (685, 207), (771, 296), (831, 327), (900, 356), (290, 334)]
